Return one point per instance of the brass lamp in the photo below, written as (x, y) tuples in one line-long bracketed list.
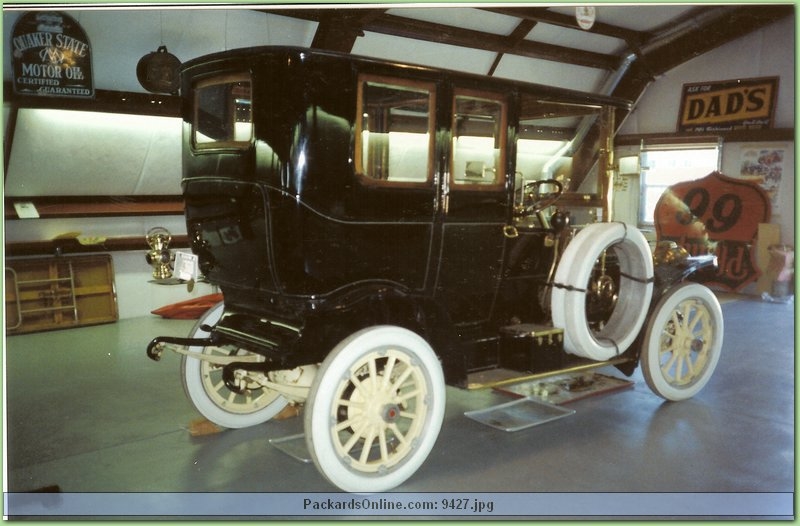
[(159, 257)]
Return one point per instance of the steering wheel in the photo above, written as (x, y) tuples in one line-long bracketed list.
[(534, 199)]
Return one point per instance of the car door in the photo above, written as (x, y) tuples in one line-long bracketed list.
[(474, 207), (392, 199)]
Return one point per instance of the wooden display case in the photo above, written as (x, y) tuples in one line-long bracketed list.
[(59, 292)]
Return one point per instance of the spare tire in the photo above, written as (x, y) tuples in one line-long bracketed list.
[(568, 299)]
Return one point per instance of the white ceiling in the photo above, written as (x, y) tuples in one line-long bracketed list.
[(635, 17), (120, 36)]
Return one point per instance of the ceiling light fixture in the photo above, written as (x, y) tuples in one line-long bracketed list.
[(585, 17)]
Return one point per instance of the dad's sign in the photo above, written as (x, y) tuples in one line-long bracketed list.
[(51, 56), (728, 105), (716, 214)]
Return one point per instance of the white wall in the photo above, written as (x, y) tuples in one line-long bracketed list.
[(91, 153), (765, 53)]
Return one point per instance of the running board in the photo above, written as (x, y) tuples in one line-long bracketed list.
[(502, 377)]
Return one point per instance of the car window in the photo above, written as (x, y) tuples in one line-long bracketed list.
[(223, 112), (558, 141), (394, 131), (479, 139)]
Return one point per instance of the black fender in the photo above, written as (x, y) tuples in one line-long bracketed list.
[(308, 339), (368, 304), (667, 275)]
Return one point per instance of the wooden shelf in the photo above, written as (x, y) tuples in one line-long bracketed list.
[(134, 103), (764, 135), (58, 247), (55, 207)]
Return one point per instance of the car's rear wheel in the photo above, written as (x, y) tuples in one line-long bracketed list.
[(206, 389), (375, 409)]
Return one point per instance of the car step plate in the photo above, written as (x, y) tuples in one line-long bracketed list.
[(294, 446), (519, 414)]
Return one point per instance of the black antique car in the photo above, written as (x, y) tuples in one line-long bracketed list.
[(380, 230)]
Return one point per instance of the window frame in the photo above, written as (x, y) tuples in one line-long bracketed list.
[(400, 82)]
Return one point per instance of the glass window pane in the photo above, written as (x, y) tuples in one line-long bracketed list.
[(394, 139), (667, 167), (651, 196), (558, 141), (662, 168), (223, 113), (478, 141)]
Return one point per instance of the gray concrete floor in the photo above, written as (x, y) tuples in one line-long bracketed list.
[(87, 411)]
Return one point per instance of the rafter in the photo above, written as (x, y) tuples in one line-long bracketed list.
[(445, 34), (544, 15), (698, 35), (657, 51), (338, 29), (518, 35)]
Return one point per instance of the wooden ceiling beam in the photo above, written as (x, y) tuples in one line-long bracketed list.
[(518, 35), (455, 36), (672, 48), (338, 29), (545, 16), (451, 35), (696, 32)]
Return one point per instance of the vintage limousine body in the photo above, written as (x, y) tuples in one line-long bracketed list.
[(380, 230)]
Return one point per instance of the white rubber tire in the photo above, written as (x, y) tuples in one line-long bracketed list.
[(568, 298), (683, 342), (375, 409), (215, 401)]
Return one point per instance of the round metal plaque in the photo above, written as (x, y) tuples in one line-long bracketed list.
[(158, 71)]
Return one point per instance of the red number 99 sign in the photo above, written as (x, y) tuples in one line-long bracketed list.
[(716, 212)]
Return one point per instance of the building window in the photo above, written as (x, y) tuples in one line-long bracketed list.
[(664, 166)]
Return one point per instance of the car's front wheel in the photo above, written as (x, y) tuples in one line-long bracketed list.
[(682, 342)]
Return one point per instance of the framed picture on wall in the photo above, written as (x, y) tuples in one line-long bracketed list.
[(763, 164)]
